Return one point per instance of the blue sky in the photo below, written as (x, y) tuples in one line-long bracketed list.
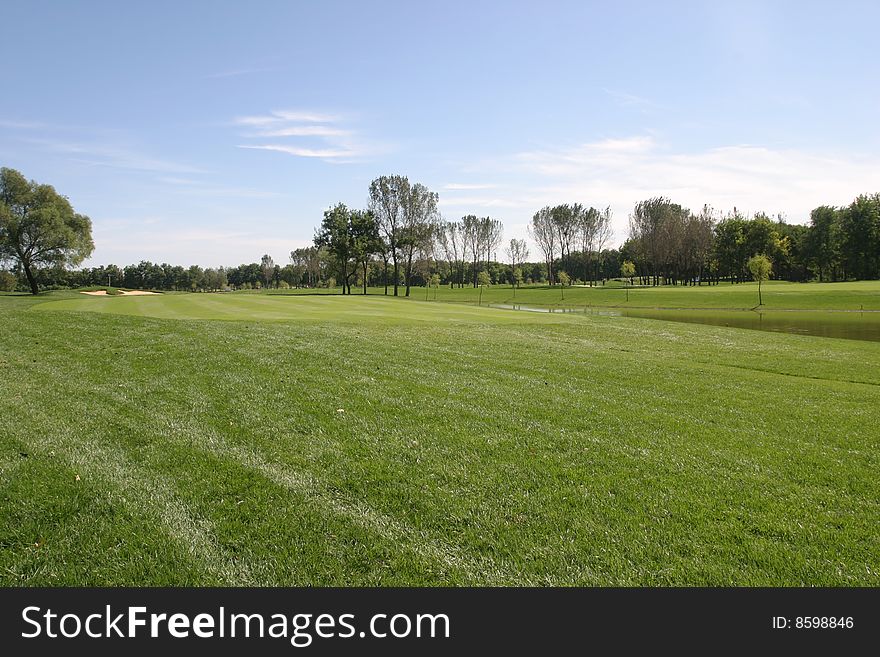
[(214, 132)]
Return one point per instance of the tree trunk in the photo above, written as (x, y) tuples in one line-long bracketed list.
[(365, 277), (30, 277)]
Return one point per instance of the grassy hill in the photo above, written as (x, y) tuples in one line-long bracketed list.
[(320, 440)]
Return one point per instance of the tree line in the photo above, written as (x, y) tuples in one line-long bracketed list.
[(400, 240), (669, 244)]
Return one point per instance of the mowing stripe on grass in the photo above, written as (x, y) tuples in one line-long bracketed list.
[(478, 571), (197, 533), (148, 494)]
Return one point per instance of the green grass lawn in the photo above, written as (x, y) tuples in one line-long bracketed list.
[(776, 295), (323, 440)]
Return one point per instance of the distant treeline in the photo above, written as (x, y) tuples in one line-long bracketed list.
[(668, 243), (400, 240), (320, 273)]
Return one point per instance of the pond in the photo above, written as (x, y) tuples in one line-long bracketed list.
[(830, 324)]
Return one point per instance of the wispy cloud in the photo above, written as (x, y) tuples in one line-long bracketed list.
[(307, 134), (324, 153), (22, 125), (304, 131), (621, 172), (277, 117), (116, 157)]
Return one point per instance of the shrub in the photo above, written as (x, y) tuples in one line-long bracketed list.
[(8, 281)]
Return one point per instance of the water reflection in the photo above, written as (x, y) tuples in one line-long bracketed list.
[(830, 324)]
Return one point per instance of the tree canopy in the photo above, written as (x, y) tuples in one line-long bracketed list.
[(38, 226), (760, 268)]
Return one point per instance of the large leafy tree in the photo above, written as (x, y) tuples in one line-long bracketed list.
[(860, 228), (336, 236), (517, 253), (419, 211), (823, 242), (406, 214), (267, 268), (542, 232), (387, 197), (365, 240), (38, 226)]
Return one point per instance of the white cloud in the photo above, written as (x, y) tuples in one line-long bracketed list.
[(304, 131), (324, 153), (306, 134), (287, 116), (622, 172)]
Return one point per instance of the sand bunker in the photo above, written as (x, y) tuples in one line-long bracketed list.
[(129, 293)]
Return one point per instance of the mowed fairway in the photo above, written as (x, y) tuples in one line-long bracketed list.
[(326, 440), (777, 295)]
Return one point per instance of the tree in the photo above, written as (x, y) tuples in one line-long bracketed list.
[(7, 281), (729, 246), (603, 232), (337, 237), (470, 234), (433, 282), (823, 242), (365, 239), (484, 281), (517, 278), (697, 244), (628, 270), (517, 253), (267, 267), (564, 281), (543, 232), (450, 240), (646, 226), (387, 196), (419, 211), (298, 266), (39, 227), (761, 268), (860, 243), (565, 220), (491, 232)]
